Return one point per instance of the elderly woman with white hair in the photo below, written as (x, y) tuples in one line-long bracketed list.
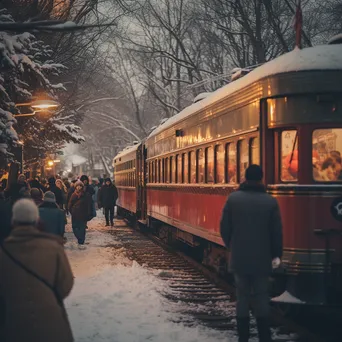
[(35, 277)]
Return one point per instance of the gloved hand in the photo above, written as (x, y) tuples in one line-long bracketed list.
[(276, 263)]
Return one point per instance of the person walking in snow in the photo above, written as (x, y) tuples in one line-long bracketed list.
[(60, 185), (107, 198), (35, 278), (80, 208), (37, 196), (88, 188), (52, 217), (251, 227), (56, 190)]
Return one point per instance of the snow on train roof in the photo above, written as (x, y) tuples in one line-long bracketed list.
[(323, 57), (127, 150)]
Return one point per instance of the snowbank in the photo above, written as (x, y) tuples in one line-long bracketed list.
[(116, 300)]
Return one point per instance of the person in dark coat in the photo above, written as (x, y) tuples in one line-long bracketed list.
[(107, 198), (35, 183), (80, 208), (13, 191), (5, 218), (251, 227), (58, 192), (32, 311), (37, 196), (51, 216), (88, 188)]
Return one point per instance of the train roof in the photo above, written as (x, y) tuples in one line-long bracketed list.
[(127, 150), (322, 57)]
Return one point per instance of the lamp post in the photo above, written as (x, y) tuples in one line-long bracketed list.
[(36, 106)]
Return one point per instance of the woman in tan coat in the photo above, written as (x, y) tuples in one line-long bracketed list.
[(35, 277)]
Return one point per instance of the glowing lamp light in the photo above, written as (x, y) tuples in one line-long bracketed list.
[(44, 104), (50, 162)]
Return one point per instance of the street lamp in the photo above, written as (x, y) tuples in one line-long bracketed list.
[(37, 106)]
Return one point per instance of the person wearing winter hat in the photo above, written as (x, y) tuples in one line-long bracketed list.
[(37, 196), (27, 256), (107, 198), (51, 216), (80, 207), (88, 188)]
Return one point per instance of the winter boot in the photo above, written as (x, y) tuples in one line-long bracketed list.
[(264, 329), (112, 224), (243, 328), (107, 223)]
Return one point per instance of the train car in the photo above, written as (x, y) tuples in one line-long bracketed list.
[(286, 116), (129, 179)]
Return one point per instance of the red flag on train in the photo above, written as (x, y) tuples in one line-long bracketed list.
[(298, 24)]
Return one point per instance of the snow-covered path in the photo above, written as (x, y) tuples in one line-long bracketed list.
[(116, 300)]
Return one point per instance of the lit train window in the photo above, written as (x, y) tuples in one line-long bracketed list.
[(160, 171), (192, 164), (185, 158), (209, 165), (200, 166), (172, 170), (166, 170), (231, 164), (179, 169), (153, 172), (243, 160), (219, 164), (289, 156), (326, 155), (254, 144)]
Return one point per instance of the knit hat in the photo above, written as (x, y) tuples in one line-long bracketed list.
[(107, 180), (79, 183), (83, 178), (50, 197), (25, 212)]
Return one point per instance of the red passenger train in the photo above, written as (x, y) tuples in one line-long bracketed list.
[(286, 116)]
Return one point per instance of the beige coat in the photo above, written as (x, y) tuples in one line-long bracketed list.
[(32, 311)]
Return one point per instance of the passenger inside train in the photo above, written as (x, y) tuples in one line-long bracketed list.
[(326, 155)]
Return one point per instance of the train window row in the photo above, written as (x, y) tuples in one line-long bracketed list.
[(125, 166), (126, 179), (222, 163)]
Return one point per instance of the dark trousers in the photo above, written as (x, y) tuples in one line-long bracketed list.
[(109, 214), (79, 229), (252, 287)]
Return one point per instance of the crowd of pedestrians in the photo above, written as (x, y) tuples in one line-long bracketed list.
[(33, 219), (32, 253), (56, 199)]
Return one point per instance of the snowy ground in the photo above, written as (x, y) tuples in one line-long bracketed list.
[(116, 300)]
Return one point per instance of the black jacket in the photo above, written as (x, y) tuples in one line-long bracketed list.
[(58, 193), (5, 218), (251, 226), (107, 196)]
